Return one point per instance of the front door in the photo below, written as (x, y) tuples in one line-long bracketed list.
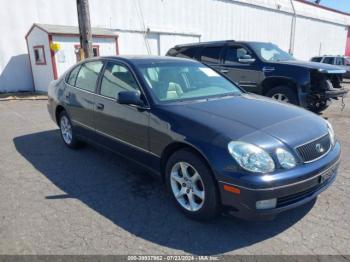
[(122, 128), (246, 74)]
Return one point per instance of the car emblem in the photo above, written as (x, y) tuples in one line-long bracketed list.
[(319, 148)]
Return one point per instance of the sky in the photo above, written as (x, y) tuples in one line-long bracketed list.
[(342, 5)]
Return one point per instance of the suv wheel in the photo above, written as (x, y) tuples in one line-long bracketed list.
[(283, 94), (67, 132), (192, 185), (318, 107)]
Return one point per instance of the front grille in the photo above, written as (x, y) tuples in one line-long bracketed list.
[(314, 149)]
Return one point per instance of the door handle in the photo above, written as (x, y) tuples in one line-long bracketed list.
[(67, 95), (100, 106), (224, 71), (268, 69)]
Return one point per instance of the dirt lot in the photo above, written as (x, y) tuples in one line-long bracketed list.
[(57, 201)]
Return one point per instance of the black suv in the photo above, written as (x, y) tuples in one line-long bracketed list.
[(265, 69)]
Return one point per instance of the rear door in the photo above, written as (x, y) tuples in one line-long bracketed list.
[(329, 60), (80, 95), (210, 55), (123, 128), (247, 75)]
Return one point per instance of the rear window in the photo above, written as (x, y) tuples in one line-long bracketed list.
[(73, 76), (172, 52), (316, 59), (211, 54), (88, 74)]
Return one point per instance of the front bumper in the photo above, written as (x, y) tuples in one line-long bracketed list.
[(335, 93), (288, 195)]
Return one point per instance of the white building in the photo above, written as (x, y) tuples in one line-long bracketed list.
[(153, 26)]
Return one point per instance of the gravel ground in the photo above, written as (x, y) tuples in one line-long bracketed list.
[(58, 201)]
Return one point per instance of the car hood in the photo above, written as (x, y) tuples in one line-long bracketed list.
[(253, 118), (324, 68)]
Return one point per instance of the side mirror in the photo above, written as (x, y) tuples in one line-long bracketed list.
[(246, 59), (130, 98)]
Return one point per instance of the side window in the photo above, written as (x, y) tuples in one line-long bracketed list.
[(73, 76), (117, 78), (316, 59), (39, 55), (211, 54), (328, 60), (88, 74), (339, 61), (188, 52), (347, 61), (233, 54)]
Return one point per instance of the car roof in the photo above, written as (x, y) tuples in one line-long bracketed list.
[(142, 59), (222, 42), (330, 56)]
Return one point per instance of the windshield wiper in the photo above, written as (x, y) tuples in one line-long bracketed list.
[(223, 95)]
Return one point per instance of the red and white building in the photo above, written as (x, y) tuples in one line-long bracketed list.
[(53, 49)]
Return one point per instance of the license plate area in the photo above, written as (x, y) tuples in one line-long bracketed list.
[(327, 175)]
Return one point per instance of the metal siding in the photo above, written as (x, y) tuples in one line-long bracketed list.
[(262, 20), (313, 38)]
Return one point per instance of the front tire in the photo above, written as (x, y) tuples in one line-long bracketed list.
[(283, 94), (67, 133), (191, 185), (318, 107)]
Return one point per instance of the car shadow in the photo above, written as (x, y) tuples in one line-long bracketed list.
[(134, 200)]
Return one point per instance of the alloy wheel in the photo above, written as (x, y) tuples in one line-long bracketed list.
[(66, 130), (187, 186), (281, 97)]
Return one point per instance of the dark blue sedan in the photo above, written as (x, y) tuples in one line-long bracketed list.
[(215, 146)]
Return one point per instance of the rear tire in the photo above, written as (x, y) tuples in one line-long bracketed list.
[(192, 186), (67, 133), (283, 94)]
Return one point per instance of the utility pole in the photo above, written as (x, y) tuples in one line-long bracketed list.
[(84, 29)]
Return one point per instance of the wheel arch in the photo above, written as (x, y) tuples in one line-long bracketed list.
[(58, 110), (176, 146), (272, 82)]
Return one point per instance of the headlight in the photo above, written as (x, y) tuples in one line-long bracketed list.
[(331, 133), (250, 157), (285, 158)]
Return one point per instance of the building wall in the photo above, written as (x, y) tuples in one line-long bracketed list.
[(43, 73), (17, 16), (174, 21), (155, 43), (313, 38)]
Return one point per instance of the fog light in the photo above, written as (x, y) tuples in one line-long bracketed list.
[(266, 204)]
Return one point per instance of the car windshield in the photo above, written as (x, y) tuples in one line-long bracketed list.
[(179, 81), (270, 52)]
